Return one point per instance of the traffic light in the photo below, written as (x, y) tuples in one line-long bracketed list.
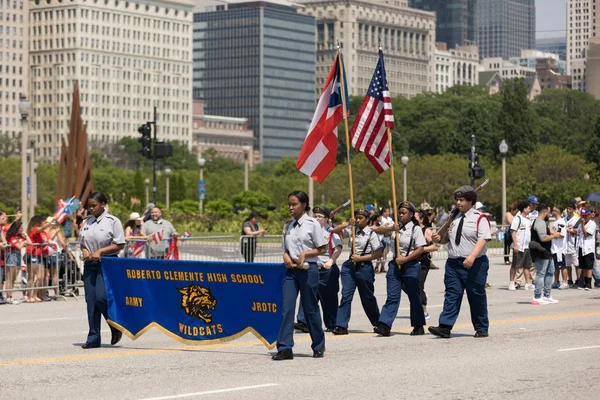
[(476, 172), (145, 140)]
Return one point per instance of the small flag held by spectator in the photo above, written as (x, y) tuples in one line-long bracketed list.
[(138, 249), (186, 235), (173, 253), (65, 208), (157, 236)]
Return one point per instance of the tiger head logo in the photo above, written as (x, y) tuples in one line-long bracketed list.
[(196, 301)]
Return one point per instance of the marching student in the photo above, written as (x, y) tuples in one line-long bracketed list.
[(358, 270), (101, 235), (467, 265), (586, 248), (425, 259), (303, 243), (404, 273), (329, 274)]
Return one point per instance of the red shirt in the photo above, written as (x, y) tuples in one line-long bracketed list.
[(37, 237), (13, 241)]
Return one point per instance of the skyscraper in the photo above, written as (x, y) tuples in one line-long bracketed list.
[(455, 23), (505, 27), (583, 24), (256, 60)]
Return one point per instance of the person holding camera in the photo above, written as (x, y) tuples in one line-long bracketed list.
[(541, 254), (404, 272), (358, 270)]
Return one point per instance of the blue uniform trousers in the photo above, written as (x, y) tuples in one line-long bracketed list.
[(409, 281), (329, 286), (95, 297), (457, 279), (307, 283), (363, 278)]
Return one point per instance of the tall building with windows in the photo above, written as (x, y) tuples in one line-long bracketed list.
[(459, 66), (14, 74), (128, 57), (256, 60), (557, 45), (505, 27), (455, 23), (407, 37), (583, 23)]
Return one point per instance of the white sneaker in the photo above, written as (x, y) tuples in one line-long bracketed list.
[(529, 286), (538, 302), (550, 300), (563, 286), (512, 286)]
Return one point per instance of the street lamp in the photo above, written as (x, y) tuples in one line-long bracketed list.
[(201, 162), (147, 182), (167, 174), (247, 149), (503, 150), (34, 184), (24, 107), (31, 152), (404, 161)]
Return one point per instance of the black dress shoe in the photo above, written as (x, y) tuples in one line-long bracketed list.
[(417, 331), (440, 331), (301, 326), (481, 334), (319, 353), (116, 336), (90, 345), (382, 329), (329, 329), (340, 331), (283, 355)]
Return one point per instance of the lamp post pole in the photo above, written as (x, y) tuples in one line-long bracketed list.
[(24, 107), (147, 183), (404, 161), (201, 162), (32, 179), (246, 150), (503, 150), (167, 175)]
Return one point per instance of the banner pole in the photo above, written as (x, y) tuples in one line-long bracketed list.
[(389, 133), (344, 109)]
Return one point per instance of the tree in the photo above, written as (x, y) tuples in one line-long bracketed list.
[(517, 117), (8, 146), (250, 200), (139, 186)]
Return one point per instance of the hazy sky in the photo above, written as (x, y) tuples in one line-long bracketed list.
[(551, 15)]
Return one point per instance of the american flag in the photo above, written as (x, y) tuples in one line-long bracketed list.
[(156, 237), (318, 154), (369, 132), (173, 253)]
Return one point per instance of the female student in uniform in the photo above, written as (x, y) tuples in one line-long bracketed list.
[(101, 235), (303, 243), (404, 273)]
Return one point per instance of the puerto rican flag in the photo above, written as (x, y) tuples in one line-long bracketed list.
[(157, 236), (318, 154), (173, 253), (186, 235), (369, 132), (65, 208), (138, 249)]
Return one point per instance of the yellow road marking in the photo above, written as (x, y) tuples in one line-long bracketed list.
[(137, 352)]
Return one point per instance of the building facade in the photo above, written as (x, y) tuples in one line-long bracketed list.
[(14, 62), (256, 60), (226, 135), (593, 65), (507, 69), (505, 27), (529, 58), (557, 45), (128, 57), (459, 66), (455, 23), (582, 25), (407, 38), (551, 75)]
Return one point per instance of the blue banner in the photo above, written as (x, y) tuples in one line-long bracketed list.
[(194, 302)]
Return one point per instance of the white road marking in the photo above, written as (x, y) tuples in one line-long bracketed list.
[(34, 320), (580, 348), (235, 389)]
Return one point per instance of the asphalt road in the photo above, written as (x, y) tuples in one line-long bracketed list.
[(547, 352)]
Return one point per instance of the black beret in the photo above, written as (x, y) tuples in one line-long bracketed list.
[(461, 191), (321, 210)]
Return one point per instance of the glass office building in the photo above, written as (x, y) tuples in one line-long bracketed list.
[(505, 27), (455, 23), (257, 60)]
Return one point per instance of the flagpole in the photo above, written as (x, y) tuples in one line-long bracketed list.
[(389, 133), (344, 108)]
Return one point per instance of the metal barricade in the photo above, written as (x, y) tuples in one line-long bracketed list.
[(495, 246), (267, 248), (37, 268), (200, 248), (71, 271)]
